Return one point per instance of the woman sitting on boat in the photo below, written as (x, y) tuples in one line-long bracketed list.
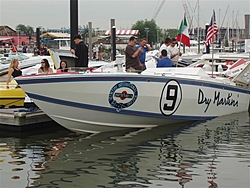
[(14, 70), (45, 67), (63, 67)]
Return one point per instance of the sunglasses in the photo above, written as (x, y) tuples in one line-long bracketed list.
[(42, 62)]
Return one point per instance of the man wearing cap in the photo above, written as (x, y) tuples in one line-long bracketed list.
[(80, 52)]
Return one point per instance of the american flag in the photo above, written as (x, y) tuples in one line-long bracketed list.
[(211, 31)]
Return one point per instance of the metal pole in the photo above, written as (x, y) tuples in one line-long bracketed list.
[(113, 39), (90, 41), (198, 30), (73, 20), (157, 38), (113, 34), (208, 46), (38, 38)]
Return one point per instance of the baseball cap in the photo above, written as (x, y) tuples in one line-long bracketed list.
[(77, 37)]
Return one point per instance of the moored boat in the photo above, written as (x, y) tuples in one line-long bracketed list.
[(111, 100), (11, 95)]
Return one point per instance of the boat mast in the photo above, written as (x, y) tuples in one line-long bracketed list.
[(219, 35), (198, 31)]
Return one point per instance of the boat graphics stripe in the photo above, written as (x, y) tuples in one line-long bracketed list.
[(113, 110), (24, 81), (12, 98)]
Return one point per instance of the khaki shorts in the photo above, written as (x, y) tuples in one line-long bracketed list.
[(131, 69)]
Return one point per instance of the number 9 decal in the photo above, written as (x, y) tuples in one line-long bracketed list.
[(170, 97)]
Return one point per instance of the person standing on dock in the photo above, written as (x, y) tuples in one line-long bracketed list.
[(80, 52), (100, 52)]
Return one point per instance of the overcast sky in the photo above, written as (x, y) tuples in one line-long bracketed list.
[(55, 13)]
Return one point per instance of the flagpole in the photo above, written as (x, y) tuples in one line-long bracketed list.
[(182, 23), (213, 46)]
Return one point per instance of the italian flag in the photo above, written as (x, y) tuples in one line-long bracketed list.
[(183, 35)]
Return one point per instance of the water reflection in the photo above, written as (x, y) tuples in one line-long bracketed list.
[(205, 154)]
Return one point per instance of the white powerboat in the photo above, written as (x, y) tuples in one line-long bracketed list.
[(109, 99)]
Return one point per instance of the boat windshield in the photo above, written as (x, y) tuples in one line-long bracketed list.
[(19, 56)]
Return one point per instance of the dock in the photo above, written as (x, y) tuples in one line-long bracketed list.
[(23, 119)]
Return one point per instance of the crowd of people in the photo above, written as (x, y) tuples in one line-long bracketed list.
[(135, 56)]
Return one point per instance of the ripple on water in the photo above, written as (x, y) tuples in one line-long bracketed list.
[(202, 154)]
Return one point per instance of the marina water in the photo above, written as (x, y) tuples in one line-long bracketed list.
[(206, 154)]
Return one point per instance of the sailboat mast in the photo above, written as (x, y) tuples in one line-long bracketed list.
[(198, 29), (219, 26)]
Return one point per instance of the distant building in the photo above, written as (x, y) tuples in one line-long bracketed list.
[(7, 31), (9, 36)]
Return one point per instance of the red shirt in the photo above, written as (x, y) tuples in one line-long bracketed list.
[(14, 49)]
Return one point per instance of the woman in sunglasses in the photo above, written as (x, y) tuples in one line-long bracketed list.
[(45, 67)]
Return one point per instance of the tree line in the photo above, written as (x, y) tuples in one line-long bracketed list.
[(148, 29)]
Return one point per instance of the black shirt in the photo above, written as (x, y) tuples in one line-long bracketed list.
[(81, 51), (16, 73)]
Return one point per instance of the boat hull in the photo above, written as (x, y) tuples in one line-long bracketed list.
[(11, 96), (103, 102)]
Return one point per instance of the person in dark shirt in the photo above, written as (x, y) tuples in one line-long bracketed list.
[(36, 51), (14, 70), (80, 52), (133, 63)]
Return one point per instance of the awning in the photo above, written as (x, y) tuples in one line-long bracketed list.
[(3, 39), (55, 35), (123, 32)]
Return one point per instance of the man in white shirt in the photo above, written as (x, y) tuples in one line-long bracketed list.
[(165, 45), (174, 52)]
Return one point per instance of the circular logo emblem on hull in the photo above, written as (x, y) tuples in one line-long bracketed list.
[(122, 95)]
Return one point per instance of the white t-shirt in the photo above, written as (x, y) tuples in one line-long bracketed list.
[(172, 51), (164, 46)]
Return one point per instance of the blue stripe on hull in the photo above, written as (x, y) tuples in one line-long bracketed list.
[(113, 110)]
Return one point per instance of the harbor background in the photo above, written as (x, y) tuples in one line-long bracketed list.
[(200, 154)]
